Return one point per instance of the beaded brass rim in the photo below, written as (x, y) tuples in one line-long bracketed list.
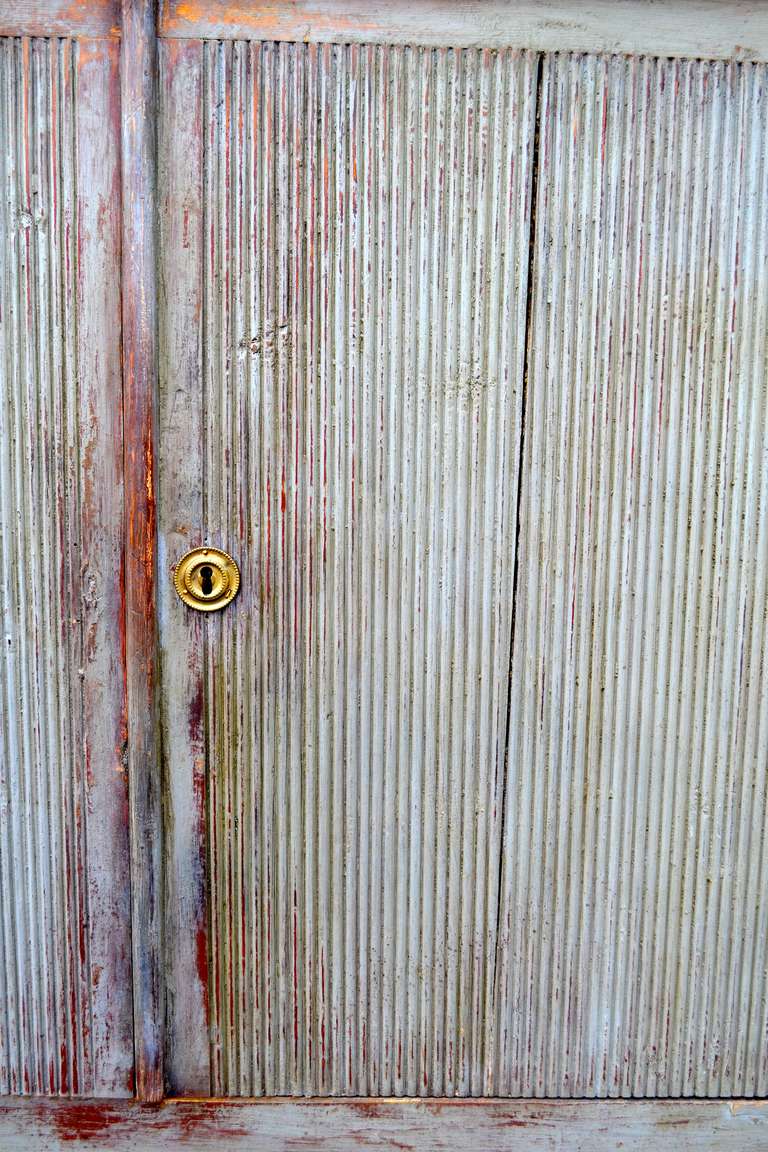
[(207, 579)]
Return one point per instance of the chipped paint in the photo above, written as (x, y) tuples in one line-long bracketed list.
[(390, 1125), (708, 29), (71, 18)]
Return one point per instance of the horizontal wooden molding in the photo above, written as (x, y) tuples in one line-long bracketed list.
[(75, 18), (344, 1125), (707, 29)]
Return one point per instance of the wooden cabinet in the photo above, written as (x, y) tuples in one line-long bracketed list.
[(448, 323)]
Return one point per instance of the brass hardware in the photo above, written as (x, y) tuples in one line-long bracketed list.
[(207, 579)]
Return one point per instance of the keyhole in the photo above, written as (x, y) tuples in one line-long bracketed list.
[(206, 579)]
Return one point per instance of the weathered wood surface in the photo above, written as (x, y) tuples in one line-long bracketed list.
[(350, 431), (65, 967), (139, 294), (181, 526), (346, 424), (391, 1126), (708, 29), (587, 917), (74, 18), (632, 955)]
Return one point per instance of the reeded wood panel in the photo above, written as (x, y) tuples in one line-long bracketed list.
[(632, 953), (345, 236), (64, 878)]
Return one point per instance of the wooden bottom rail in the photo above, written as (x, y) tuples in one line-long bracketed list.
[(343, 1125)]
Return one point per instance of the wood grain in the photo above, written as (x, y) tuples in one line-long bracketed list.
[(695, 28), (139, 76), (75, 18), (181, 526), (387, 1125), (101, 442)]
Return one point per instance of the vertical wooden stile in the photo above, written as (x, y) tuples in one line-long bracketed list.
[(138, 89)]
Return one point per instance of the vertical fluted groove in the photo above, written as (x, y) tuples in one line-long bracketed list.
[(633, 943), (366, 216), (47, 1025), (64, 926)]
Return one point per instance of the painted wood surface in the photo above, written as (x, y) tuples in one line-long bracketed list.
[(344, 250), (138, 90), (392, 1126), (352, 408), (384, 875), (181, 207), (65, 971), (70, 18), (710, 29), (632, 958)]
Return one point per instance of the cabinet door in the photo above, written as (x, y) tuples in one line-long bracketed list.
[(65, 972), (634, 911), (463, 360), (344, 250)]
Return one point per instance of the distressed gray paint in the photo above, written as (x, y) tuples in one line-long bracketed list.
[(350, 246), (138, 283), (709, 29), (64, 916), (631, 951), (387, 1125), (632, 959)]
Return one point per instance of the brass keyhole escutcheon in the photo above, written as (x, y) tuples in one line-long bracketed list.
[(207, 579)]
